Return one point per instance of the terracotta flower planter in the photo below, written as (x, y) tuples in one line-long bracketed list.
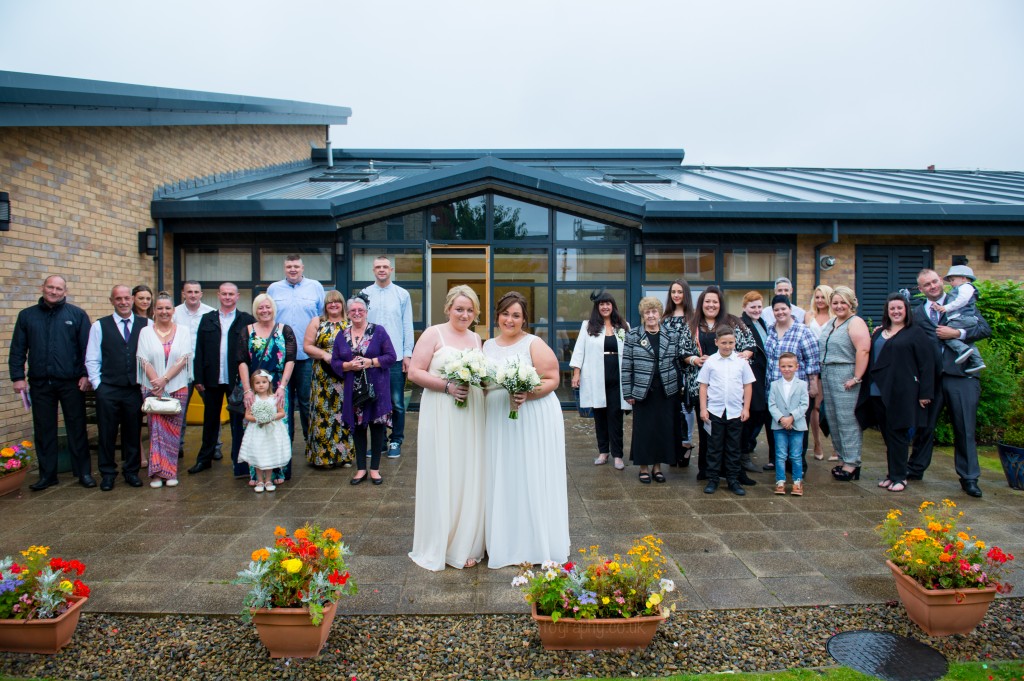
[(570, 634), (41, 636), (12, 481), (942, 612), (287, 632)]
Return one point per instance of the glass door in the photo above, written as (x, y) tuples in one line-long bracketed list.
[(449, 266)]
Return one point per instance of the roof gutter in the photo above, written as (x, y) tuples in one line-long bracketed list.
[(817, 252)]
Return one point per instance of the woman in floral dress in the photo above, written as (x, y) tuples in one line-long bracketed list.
[(330, 442)]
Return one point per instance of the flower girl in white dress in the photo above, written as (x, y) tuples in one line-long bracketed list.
[(265, 445)]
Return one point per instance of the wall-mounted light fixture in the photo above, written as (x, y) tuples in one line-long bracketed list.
[(638, 250), (992, 250), (339, 249), (827, 262), (147, 241), (5, 212)]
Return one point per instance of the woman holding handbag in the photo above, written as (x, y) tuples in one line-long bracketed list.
[(164, 358), (363, 355)]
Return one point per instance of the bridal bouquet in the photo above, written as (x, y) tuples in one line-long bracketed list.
[(264, 412), (468, 367), (516, 376)]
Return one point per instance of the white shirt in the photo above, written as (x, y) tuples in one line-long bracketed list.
[(189, 319), (725, 378), (799, 314), (226, 320), (928, 309), (787, 386), (93, 351), (391, 307)]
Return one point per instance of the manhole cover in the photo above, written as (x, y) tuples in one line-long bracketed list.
[(887, 656)]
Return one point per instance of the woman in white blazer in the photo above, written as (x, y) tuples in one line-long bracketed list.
[(596, 364)]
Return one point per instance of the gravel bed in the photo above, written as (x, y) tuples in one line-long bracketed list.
[(490, 646)]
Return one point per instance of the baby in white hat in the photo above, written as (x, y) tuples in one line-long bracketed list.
[(962, 313)]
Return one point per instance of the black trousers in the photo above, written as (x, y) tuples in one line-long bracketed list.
[(897, 443), (961, 394), (753, 426), (724, 449), (213, 402), (608, 421), (377, 433), (118, 408), (46, 396)]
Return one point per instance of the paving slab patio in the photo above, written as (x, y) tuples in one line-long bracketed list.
[(176, 550)]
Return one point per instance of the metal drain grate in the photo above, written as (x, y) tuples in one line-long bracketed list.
[(887, 656)]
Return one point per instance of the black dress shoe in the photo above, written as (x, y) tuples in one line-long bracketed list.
[(132, 480), (971, 487), (107, 483), (737, 489), (711, 487), (87, 482), (200, 467), (745, 479), (357, 481), (217, 455), (915, 476), (377, 481), (43, 484), (768, 467)]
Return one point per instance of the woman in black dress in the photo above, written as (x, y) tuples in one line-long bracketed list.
[(650, 384), (677, 316)]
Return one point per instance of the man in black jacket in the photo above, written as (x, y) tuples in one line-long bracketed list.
[(52, 336), (216, 374)]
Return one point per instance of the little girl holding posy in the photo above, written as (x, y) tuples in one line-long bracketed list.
[(265, 445)]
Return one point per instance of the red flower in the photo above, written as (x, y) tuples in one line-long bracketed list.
[(80, 588), (569, 566), (338, 578), (76, 566)]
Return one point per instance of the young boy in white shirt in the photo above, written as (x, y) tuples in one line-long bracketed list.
[(962, 313), (725, 388), (787, 403)]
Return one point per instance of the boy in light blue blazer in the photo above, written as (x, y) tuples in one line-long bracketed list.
[(787, 404)]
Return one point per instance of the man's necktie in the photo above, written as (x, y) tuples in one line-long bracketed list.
[(127, 329)]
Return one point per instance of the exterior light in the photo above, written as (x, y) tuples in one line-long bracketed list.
[(992, 250), (147, 242), (5, 212)]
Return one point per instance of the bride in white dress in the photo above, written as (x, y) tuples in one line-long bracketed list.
[(449, 527), (527, 504)]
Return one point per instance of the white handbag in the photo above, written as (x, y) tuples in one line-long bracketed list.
[(161, 405)]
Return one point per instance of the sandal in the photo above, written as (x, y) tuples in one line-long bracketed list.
[(834, 457), (472, 562), (659, 476), (601, 460), (897, 486), (885, 484), (645, 478)]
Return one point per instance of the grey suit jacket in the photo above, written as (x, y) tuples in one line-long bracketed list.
[(638, 365), (795, 406)]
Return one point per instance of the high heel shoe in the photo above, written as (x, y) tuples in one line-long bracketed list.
[(842, 475)]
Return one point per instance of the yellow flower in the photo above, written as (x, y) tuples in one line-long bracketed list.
[(653, 600), (331, 552), (606, 600), (292, 565), (924, 505), (962, 536), (934, 527), (979, 544), (7, 452), (260, 554), (66, 586), (301, 533), (26, 444), (280, 531)]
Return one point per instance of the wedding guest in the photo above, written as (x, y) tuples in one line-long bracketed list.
[(788, 403), (760, 418), (596, 364), (142, 301), (330, 442), (677, 317), (819, 316), (188, 314)]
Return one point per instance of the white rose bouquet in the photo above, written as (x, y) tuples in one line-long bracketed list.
[(263, 411), (468, 367), (516, 376)]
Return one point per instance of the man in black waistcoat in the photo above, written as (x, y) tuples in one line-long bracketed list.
[(51, 336), (110, 360), (216, 374)]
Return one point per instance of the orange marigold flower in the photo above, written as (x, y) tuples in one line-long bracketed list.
[(301, 533), (280, 531), (945, 557)]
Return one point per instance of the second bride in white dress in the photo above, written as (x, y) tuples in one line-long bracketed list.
[(527, 518)]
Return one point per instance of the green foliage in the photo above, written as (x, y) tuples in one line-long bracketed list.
[(1001, 408)]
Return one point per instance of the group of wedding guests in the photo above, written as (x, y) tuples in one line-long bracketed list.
[(696, 375)]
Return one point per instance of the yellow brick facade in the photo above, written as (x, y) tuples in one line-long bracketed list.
[(79, 197)]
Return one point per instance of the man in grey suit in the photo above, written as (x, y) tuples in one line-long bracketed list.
[(959, 391)]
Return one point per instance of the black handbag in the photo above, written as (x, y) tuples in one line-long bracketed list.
[(236, 400), (362, 390)]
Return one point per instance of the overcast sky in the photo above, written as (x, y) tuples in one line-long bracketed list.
[(859, 83)]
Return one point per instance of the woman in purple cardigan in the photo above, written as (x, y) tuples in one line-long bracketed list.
[(365, 347)]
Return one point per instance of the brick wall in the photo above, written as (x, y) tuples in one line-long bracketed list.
[(79, 197)]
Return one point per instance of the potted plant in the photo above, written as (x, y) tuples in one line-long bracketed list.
[(599, 603), (14, 461), (945, 577), (1010, 441), (41, 599), (294, 587)]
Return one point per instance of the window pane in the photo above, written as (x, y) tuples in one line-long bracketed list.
[(577, 264), (536, 301), (573, 228), (521, 264), (756, 264), (217, 264), (408, 263), (574, 304), (416, 296), (399, 228), (734, 302), (466, 219), (317, 263), (519, 220), (666, 264)]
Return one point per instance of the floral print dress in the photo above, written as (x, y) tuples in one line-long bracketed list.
[(330, 441)]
